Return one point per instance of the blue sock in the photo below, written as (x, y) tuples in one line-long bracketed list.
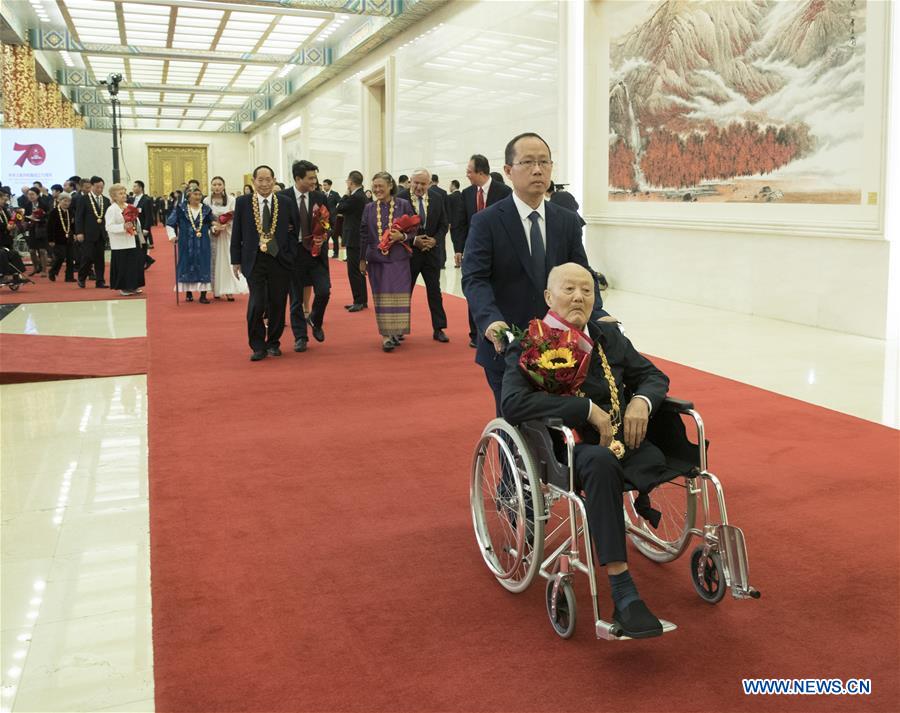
[(624, 590)]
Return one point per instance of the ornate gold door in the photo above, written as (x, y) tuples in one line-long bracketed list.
[(170, 165)]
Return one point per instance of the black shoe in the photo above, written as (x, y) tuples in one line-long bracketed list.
[(70, 279), (400, 337), (52, 276), (272, 351), (439, 336), (318, 334), (300, 345), (229, 298), (188, 297), (257, 356), (395, 341), (472, 344), (148, 261), (356, 308), (637, 621), (203, 301), (348, 306), (81, 284), (388, 346), (100, 285)]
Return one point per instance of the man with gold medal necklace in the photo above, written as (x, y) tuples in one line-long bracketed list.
[(90, 231)]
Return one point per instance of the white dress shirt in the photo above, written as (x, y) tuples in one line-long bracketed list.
[(525, 211), (486, 188)]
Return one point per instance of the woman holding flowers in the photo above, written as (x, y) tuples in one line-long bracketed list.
[(189, 225), (222, 206), (386, 251), (126, 270)]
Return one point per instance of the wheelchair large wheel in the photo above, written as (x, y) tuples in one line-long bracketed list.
[(678, 505), (505, 495)]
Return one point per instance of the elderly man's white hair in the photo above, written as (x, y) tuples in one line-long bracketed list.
[(561, 271), (421, 170)]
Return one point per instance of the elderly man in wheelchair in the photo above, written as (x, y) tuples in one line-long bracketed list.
[(531, 460)]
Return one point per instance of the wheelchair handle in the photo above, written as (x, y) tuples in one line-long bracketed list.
[(678, 405)]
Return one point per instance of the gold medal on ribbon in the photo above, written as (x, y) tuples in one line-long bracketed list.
[(99, 220), (264, 247)]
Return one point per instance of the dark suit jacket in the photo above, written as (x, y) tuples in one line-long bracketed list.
[(22, 200), (497, 274), (454, 206), (86, 221), (332, 198), (497, 192), (145, 210), (55, 232), (245, 237), (436, 222), (314, 198), (564, 199), (351, 207)]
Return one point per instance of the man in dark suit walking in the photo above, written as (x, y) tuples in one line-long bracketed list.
[(90, 231), (309, 271), (454, 206), (263, 246), (351, 208), (483, 192), (430, 206), (510, 250), (144, 205), (332, 198)]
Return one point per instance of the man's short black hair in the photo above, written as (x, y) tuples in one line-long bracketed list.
[(261, 166), (328, 181), (96, 179), (454, 183), (299, 169), (38, 184), (403, 178), (141, 184), (194, 180), (510, 154), (56, 187), (75, 179), (355, 177), (434, 178), (480, 164), (551, 188)]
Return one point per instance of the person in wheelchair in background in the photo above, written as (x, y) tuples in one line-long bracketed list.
[(621, 391)]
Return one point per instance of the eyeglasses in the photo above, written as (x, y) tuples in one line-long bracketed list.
[(530, 163)]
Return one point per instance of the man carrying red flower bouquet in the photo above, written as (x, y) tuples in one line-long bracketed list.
[(311, 266), (609, 403)]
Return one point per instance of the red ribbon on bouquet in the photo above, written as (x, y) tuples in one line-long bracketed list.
[(37, 214), (225, 218), (130, 214), (404, 224), (320, 228)]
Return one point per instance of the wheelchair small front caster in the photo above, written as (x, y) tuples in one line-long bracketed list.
[(562, 615), (707, 575)]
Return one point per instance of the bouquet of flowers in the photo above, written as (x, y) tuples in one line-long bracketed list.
[(37, 214), (404, 224), (18, 217), (320, 227), (225, 218), (555, 359), (130, 214)]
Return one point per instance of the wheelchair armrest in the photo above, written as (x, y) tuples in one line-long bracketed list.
[(676, 405), (553, 422)]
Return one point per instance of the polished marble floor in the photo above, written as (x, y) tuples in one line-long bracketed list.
[(108, 319), (76, 621)]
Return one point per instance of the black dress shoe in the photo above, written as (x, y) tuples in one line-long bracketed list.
[(347, 306), (272, 351), (101, 285), (637, 621), (318, 334), (356, 308), (300, 345), (52, 277), (257, 356), (148, 261), (81, 284), (439, 336), (472, 344), (203, 301), (189, 297)]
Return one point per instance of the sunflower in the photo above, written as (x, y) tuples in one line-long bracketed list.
[(557, 359)]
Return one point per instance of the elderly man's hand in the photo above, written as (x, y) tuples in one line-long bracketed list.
[(495, 333), (636, 417), (599, 419)]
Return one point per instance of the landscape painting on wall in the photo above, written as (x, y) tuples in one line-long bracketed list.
[(737, 101)]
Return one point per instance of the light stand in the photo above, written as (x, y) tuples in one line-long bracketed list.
[(112, 86)]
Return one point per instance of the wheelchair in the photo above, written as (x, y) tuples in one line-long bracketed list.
[(525, 503)]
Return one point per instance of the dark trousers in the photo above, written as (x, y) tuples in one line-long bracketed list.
[(495, 381), (473, 330), (356, 278), (63, 253), (336, 239), (426, 263), (268, 283), (92, 256), (309, 272), (602, 478)]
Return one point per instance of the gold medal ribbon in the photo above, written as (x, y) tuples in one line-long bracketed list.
[(615, 413)]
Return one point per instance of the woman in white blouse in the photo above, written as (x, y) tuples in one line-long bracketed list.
[(223, 280), (126, 271)]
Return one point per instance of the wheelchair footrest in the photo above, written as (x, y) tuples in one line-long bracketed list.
[(612, 632)]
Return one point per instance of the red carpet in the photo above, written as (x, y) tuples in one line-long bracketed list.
[(32, 357), (312, 547)]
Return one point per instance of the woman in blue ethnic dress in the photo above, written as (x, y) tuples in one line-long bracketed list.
[(188, 225)]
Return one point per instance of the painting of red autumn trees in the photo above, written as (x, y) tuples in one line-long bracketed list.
[(740, 100)]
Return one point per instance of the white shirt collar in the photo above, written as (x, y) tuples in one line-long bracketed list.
[(270, 197), (486, 187), (525, 210)]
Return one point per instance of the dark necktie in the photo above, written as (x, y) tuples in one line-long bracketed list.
[(266, 216), (422, 215), (304, 217), (537, 249)]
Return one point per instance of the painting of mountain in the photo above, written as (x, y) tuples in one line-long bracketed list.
[(737, 100)]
